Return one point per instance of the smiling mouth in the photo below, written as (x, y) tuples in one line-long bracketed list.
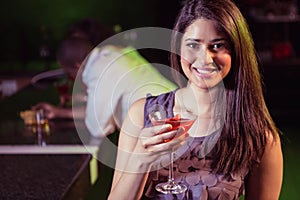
[(206, 70)]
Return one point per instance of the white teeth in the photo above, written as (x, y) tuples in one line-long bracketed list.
[(205, 71)]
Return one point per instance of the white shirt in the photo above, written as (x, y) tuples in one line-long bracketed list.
[(115, 78)]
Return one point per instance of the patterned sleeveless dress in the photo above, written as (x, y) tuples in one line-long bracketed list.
[(190, 168)]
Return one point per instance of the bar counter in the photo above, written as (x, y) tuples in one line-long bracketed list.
[(59, 165), (47, 176)]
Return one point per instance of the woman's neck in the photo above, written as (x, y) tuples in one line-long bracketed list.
[(206, 104), (200, 101)]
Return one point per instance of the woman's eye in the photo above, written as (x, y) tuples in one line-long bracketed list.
[(217, 46), (193, 45)]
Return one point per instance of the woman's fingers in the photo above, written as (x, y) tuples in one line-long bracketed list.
[(155, 142), (156, 134), (168, 146), (155, 130)]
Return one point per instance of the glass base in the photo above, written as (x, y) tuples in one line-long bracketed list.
[(171, 188)]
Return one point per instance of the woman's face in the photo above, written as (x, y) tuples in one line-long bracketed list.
[(205, 54)]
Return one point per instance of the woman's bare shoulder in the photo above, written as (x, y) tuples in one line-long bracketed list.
[(137, 106), (135, 115)]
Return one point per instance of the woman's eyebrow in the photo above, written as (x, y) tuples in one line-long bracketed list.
[(199, 40), (192, 40)]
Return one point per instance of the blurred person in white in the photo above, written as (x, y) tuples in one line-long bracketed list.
[(114, 77)]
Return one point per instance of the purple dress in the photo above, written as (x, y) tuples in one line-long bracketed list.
[(190, 167)]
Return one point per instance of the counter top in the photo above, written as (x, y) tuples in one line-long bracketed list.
[(44, 176), (56, 165)]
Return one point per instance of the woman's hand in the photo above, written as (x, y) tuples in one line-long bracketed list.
[(156, 141)]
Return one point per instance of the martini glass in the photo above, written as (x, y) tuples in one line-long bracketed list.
[(182, 119)]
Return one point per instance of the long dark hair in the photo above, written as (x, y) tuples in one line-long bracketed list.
[(247, 119)]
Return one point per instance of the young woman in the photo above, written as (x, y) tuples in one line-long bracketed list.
[(224, 90)]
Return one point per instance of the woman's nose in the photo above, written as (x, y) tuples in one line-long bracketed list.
[(203, 57)]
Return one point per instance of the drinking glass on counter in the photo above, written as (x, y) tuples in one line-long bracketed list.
[(36, 123)]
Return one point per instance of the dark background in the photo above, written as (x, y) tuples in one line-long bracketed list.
[(27, 25)]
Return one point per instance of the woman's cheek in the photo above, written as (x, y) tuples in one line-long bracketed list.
[(185, 62), (187, 59), (225, 63)]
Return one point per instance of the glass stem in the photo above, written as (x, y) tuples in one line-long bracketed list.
[(171, 175)]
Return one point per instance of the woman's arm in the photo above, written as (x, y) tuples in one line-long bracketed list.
[(265, 180), (138, 148)]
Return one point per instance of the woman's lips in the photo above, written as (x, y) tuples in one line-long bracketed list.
[(205, 71)]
